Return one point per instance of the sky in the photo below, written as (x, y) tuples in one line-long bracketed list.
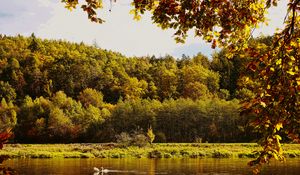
[(49, 19)]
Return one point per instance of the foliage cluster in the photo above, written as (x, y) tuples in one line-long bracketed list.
[(56, 91)]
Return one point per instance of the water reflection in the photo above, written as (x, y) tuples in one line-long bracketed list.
[(148, 166)]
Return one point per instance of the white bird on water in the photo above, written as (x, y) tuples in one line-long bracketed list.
[(101, 171)]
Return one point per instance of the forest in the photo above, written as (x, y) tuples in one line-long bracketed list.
[(54, 91)]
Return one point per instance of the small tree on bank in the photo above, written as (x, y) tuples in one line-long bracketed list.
[(150, 135)]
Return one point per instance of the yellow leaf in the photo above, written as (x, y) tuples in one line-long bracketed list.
[(263, 104), (292, 58), (132, 12), (137, 17), (291, 72), (279, 61), (247, 79), (262, 94), (275, 156), (294, 44), (278, 137), (278, 126)]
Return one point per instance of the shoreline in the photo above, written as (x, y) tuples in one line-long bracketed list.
[(157, 150)]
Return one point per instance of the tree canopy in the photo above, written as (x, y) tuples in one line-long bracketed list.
[(221, 22)]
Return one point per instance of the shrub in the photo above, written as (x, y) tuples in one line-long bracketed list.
[(184, 153), (155, 154), (124, 139), (140, 140), (41, 155), (247, 155), (135, 139), (86, 155), (174, 152), (221, 154)]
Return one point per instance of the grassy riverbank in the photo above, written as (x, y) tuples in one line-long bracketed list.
[(171, 150)]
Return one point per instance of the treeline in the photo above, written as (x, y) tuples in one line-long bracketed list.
[(63, 119), (57, 91)]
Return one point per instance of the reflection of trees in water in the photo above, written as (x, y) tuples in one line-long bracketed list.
[(4, 136), (6, 170), (152, 167)]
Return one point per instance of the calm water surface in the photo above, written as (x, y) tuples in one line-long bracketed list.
[(148, 166)]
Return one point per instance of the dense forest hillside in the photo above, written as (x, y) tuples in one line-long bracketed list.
[(57, 91)]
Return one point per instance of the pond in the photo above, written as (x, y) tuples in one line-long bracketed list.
[(148, 166)]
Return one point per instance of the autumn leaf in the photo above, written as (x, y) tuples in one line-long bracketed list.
[(278, 126)]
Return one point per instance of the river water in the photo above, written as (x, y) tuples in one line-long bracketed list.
[(148, 166)]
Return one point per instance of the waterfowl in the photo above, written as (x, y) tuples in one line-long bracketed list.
[(96, 169), (102, 170)]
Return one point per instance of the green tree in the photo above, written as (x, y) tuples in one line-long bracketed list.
[(195, 90), (150, 135), (34, 44), (60, 126), (132, 115), (8, 115), (91, 97), (133, 88), (197, 81), (7, 91), (229, 70), (201, 60), (165, 77), (33, 120), (180, 120)]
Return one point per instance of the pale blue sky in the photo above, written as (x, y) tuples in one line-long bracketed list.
[(49, 19)]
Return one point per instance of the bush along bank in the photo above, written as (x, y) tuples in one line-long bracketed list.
[(112, 150)]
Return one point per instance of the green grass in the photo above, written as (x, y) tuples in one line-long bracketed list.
[(165, 151)]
